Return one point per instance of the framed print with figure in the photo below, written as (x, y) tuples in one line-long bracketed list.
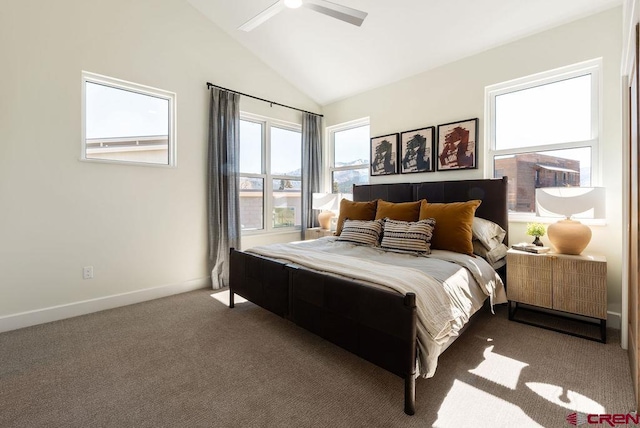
[(384, 155), (416, 150), (457, 145)]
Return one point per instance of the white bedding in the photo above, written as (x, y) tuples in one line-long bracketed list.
[(458, 284)]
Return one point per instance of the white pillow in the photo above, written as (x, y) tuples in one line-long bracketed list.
[(492, 256), (487, 232)]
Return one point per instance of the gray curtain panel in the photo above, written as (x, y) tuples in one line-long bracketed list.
[(311, 166), (223, 182)]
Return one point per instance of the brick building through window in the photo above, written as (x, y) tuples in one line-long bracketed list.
[(530, 171)]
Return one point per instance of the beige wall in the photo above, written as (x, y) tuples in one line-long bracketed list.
[(456, 92), (140, 227)]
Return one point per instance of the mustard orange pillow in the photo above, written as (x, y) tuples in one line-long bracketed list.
[(355, 211), (401, 211), (453, 230)]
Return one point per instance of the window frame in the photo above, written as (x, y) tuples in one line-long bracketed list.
[(112, 82), (592, 67), (331, 150), (267, 206)]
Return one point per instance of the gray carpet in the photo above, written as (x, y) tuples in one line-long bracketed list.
[(189, 361)]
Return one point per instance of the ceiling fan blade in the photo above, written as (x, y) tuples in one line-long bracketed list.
[(262, 16), (343, 13)]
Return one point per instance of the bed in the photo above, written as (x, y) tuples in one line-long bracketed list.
[(378, 317)]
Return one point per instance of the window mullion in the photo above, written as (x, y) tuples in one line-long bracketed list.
[(349, 167), (252, 175), (596, 121), (546, 148), (286, 177), (268, 186)]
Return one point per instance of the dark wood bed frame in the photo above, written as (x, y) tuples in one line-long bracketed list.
[(373, 323)]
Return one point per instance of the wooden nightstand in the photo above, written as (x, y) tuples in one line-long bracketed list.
[(559, 282), (316, 232)]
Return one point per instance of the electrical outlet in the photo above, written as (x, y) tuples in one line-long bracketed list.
[(87, 272)]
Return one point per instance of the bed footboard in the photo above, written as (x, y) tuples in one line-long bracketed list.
[(375, 324), (260, 280)]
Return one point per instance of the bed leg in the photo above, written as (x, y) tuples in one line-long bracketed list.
[(410, 395), (231, 294)]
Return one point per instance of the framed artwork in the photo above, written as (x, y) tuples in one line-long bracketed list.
[(384, 155), (457, 145), (416, 150)]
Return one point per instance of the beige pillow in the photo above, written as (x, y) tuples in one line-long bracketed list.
[(402, 211), (355, 211), (453, 225)]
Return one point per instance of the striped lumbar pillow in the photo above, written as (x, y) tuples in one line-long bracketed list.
[(414, 237), (361, 232)]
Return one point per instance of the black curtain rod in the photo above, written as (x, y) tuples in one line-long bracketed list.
[(209, 85)]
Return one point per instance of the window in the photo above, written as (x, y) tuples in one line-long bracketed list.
[(543, 132), (126, 122), (270, 175), (349, 155)]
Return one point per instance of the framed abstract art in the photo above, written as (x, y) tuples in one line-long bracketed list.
[(384, 155), (416, 150), (457, 145)]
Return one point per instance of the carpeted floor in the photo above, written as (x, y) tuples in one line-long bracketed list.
[(189, 361)]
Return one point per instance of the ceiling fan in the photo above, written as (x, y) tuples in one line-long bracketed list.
[(343, 13)]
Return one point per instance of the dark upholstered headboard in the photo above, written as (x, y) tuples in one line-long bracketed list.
[(492, 192)]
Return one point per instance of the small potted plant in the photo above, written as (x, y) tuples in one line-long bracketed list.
[(537, 230)]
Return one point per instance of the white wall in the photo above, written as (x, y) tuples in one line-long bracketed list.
[(140, 227), (456, 91)]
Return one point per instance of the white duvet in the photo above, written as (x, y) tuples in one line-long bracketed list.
[(449, 287)]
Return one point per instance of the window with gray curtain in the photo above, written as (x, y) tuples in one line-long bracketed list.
[(223, 182), (311, 165), (270, 175)]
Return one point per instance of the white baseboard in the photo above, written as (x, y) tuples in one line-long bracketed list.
[(613, 320), (55, 313)]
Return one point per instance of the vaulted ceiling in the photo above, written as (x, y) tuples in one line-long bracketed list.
[(329, 59)]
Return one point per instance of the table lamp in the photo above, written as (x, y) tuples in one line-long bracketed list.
[(569, 236), (328, 204)]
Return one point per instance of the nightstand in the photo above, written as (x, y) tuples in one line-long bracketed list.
[(560, 283), (316, 232)]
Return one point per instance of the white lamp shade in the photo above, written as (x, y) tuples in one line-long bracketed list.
[(582, 202), (328, 201), (293, 4)]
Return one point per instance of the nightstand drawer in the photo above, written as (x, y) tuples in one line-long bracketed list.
[(530, 279), (580, 287)]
